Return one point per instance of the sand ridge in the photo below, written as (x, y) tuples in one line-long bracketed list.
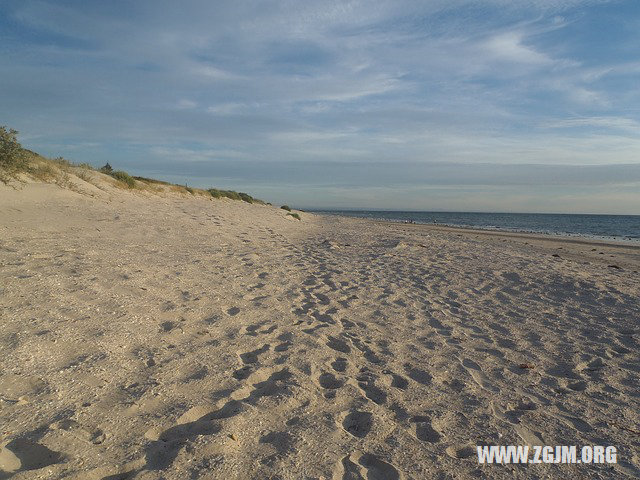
[(148, 337)]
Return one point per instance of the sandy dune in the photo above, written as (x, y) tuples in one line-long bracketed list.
[(170, 336)]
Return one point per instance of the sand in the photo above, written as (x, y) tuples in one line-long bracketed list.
[(171, 336)]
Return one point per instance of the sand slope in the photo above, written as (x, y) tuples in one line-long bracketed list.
[(170, 336)]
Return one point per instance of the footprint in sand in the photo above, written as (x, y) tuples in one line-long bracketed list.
[(358, 423), (88, 434), (398, 381), (312, 330), (529, 437), (283, 347), (578, 386), (347, 324), (242, 373), (424, 431), (286, 339), (251, 330), (478, 375), (269, 330), (252, 357), (366, 382), (338, 345), (368, 353), (310, 281), (347, 470), (418, 375), (329, 381), (322, 298), (22, 454), (378, 469), (257, 286), (340, 364), (461, 451), (167, 326), (359, 466)]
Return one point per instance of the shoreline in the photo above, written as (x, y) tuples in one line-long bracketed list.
[(549, 237), (609, 254), (501, 231)]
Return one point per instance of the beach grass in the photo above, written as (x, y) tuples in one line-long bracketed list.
[(217, 193), (16, 160), (124, 177)]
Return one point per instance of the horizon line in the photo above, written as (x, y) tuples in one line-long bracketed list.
[(356, 209)]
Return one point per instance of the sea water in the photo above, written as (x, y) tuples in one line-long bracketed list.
[(617, 227)]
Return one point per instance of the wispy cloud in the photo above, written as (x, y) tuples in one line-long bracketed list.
[(609, 123), (509, 46)]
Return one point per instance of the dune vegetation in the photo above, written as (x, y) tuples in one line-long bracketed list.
[(16, 161)]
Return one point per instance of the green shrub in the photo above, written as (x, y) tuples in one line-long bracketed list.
[(245, 197), (124, 177), (216, 193), (12, 156), (286, 207), (294, 215)]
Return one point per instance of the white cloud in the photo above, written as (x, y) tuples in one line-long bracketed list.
[(185, 104), (228, 108), (509, 46)]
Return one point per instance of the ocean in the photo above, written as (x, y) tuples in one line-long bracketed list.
[(610, 227)]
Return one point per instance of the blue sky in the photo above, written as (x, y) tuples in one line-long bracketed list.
[(435, 105)]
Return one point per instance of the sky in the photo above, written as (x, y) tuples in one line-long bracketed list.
[(456, 105)]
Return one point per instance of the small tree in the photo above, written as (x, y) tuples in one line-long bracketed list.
[(12, 158), (107, 169)]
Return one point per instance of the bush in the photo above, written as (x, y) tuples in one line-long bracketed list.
[(124, 177), (245, 197), (232, 195), (294, 215), (12, 157), (216, 193), (286, 207)]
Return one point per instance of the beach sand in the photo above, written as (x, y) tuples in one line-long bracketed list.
[(171, 336)]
